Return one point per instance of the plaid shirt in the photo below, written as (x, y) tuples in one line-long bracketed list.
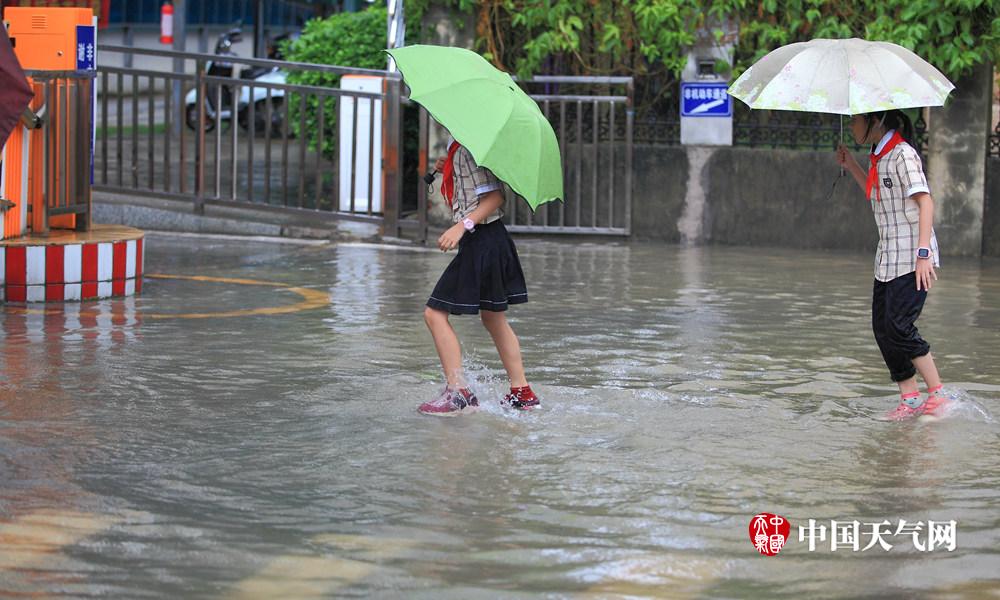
[(900, 176), (471, 182)]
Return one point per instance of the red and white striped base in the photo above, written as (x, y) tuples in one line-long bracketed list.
[(82, 268)]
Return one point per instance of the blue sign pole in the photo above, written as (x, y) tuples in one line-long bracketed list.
[(86, 60)]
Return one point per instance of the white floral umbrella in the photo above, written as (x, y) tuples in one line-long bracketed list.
[(845, 77)]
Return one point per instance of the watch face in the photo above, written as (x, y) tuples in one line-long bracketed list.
[(923, 253)]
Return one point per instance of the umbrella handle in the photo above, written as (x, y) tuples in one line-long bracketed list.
[(429, 177)]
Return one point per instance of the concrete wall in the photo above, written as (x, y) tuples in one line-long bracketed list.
[(764, 197), (661, 178), (957, 160), (748, 196), (159, 214), (991, 210)]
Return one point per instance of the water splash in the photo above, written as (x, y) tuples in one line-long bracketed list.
[(489, 385), (964, 406)]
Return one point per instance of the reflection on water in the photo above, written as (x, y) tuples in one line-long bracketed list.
[(684, 391)]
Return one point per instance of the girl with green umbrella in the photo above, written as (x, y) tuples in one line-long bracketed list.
[(502, 138), (485, 276)]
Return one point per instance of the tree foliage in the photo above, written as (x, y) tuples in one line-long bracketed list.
[(648, 39), (953, 35), (343, 39)]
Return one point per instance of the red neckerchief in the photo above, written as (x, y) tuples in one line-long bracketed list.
[(448, 175), (873, 171)]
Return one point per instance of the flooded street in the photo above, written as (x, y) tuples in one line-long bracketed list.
[(229, 437)]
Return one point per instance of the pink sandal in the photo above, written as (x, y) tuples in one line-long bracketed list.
[(909, 407), (937, 404)]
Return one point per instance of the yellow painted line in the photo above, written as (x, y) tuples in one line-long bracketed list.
[(310, 299), (311, 576), (31, 539), (236, 280)]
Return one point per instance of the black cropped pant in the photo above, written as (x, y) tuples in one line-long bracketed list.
[(896, 305)]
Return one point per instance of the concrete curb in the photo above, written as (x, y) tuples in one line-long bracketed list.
[(166, 215)]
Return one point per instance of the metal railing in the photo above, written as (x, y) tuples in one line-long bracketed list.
[(766, 129), (802, 130), (595, 134), (235, 141)]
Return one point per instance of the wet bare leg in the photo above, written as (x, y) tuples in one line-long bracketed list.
[(447, 345), (507, 345)]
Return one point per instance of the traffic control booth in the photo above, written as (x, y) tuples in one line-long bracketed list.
[(51, 250)]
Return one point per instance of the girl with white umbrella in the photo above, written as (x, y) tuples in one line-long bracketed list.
[(871, 81), (906, 256)]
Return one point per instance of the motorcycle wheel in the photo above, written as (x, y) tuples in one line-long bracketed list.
[(191, 119), (260, 123)]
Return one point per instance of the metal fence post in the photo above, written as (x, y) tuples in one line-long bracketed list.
[(629, 122), (392, 156), (127, 41), (423, 168), (180, 45), (629, 143), (199, 151)]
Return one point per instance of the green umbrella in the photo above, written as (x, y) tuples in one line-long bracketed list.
[(486, 111)]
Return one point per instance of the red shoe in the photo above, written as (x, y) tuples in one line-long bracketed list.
[(450, 403), (521, 398)]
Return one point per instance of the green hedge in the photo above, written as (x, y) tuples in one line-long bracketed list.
[(346, 40)]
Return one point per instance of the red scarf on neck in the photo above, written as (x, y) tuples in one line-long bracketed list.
[(448, 175), (873, 171)]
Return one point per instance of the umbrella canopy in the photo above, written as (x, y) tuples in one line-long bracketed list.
[(488, 113), (846, 77)]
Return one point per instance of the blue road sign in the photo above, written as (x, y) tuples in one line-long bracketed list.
[(86, 49), (705, 100), (86, 60)]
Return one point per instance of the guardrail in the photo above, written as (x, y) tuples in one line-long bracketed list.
[(188, 134)]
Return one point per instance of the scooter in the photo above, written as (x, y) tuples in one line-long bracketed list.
[(257, 95)]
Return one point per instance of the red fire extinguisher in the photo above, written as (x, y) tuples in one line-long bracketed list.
[(167, 23)]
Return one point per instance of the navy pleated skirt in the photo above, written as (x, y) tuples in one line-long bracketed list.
[(485, 274)]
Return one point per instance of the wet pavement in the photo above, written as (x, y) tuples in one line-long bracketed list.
[(252, 433)]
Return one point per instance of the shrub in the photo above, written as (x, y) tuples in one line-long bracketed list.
[(345, 40)]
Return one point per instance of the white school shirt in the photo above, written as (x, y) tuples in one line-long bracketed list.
[(897, 216)]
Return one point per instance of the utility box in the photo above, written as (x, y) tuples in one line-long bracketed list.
[(48, 39), (360, 122), (47, 168), (706, 109)]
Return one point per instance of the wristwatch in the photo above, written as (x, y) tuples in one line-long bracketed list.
[(469, 224), (923, 252)]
